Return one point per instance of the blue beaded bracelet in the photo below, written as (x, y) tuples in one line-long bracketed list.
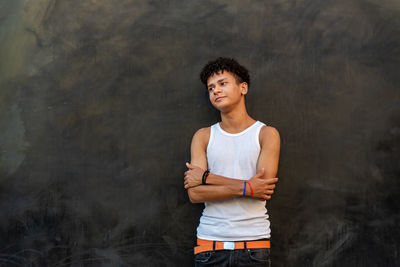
[(244, 189)]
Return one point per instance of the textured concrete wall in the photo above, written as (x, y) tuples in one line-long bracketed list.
[(99, 101)]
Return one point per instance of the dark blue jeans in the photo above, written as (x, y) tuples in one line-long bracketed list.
[(258, 257)]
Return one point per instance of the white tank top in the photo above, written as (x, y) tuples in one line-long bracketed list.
[(234, 156)]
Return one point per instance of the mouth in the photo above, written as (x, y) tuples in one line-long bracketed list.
[(218, 99)]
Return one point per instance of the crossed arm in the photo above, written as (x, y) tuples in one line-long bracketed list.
[(221, 188)]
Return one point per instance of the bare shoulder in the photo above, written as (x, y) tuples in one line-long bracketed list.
[(269, 135), (202, 135)]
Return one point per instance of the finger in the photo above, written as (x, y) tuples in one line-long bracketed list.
[(272, 180), (270, 192), (267, 197)]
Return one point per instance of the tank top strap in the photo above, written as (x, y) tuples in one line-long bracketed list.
[(257, 131), (212, 133)]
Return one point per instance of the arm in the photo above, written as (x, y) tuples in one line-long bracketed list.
[(205, 193), (219, 187), (268, 160), (229, 187), (202, 193)]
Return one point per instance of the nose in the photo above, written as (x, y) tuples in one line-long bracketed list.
[(217, 90)]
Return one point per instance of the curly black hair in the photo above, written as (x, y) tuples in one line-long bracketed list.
[(221, 64)]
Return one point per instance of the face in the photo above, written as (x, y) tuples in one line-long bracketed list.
[(224, 92)]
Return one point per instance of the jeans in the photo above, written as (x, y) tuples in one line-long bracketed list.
[(258, 257)]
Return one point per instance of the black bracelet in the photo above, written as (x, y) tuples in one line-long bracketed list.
[(205, 174)]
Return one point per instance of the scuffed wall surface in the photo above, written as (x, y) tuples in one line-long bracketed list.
[(99, 101)]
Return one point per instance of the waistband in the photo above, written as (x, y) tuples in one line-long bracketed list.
[(209, 245)]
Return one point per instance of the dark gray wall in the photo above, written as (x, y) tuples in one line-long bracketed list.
[(99, 101)]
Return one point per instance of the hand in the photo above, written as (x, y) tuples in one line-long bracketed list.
[(193, 176), (263, 188)]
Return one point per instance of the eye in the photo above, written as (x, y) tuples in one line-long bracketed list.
[(210, 89), (222, 83)]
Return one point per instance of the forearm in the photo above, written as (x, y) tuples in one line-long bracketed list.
[(213, 179), (205, 193)]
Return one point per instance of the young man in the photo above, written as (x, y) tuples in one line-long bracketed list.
[(232, 170)]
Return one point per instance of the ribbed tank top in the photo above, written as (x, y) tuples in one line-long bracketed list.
[(234, 156)]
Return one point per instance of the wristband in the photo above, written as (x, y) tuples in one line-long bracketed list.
[(244, 189), (203, 179), (251, 188)]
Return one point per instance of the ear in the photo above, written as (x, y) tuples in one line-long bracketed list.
[(244, 88)]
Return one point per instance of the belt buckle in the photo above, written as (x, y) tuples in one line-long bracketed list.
[(229, 245)]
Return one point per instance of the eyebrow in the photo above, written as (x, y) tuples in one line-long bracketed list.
[(220, 80)]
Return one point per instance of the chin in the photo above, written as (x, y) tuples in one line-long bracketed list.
[(221, 108), (217, 105)]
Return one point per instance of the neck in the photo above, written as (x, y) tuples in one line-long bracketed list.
[(236, 120)]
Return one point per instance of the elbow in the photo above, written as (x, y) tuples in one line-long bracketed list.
[(193, 196), (270, 174)]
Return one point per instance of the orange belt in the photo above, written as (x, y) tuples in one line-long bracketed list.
[(208, 245)]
